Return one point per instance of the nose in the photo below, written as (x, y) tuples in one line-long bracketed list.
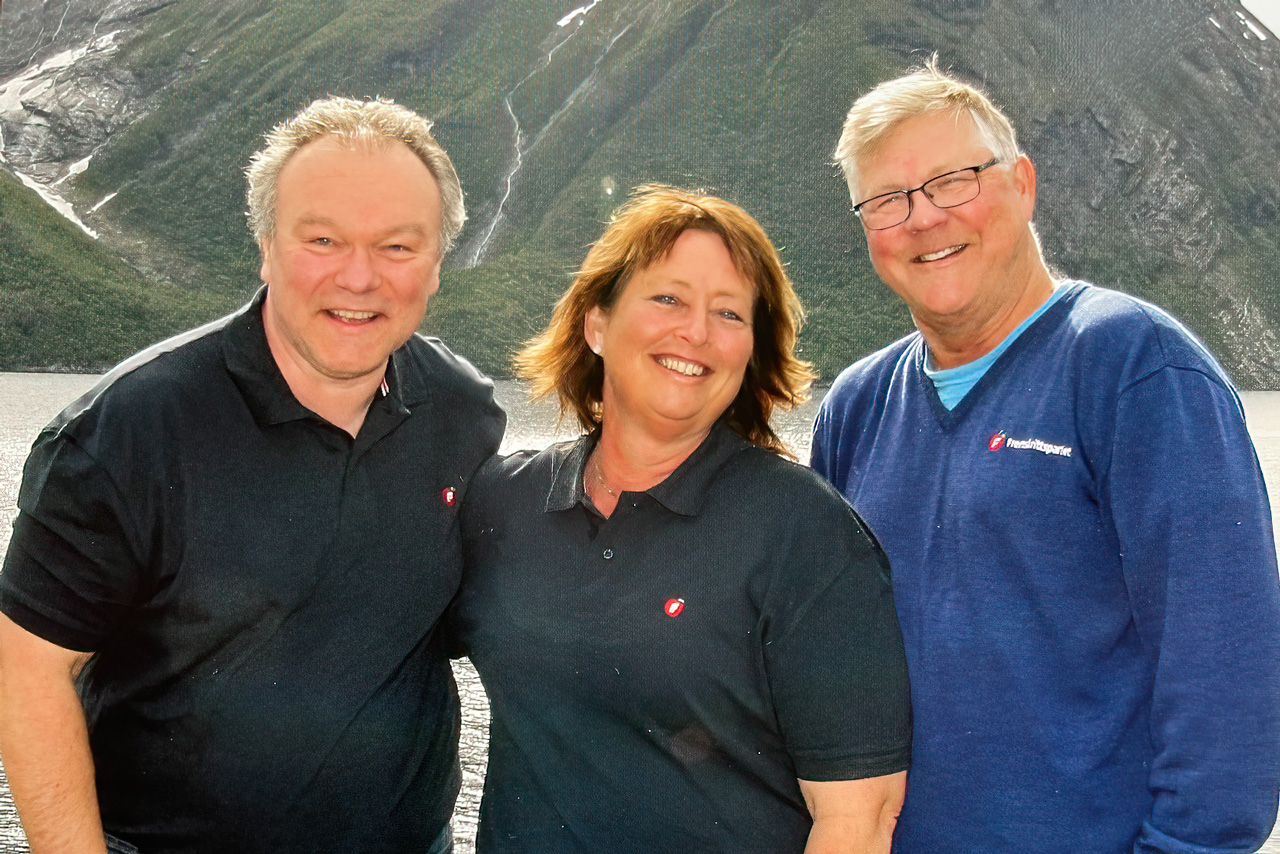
[(924, 213), (695, 326), (357, 273)]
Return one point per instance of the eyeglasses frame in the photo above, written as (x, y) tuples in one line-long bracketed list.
[(976, 170)]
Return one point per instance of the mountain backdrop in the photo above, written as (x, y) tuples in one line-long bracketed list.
[(1155, 126)]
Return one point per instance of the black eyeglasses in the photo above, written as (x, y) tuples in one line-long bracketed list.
[(948, 190)]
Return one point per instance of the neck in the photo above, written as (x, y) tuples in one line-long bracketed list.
[(342, 402), (344, 406), (634, 461), (631, 460), (959, 342)]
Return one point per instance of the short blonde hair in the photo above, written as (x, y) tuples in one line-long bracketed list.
[(363, 124), (923, 91), (641, 233)]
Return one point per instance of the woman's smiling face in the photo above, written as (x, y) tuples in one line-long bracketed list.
[(677, 341)]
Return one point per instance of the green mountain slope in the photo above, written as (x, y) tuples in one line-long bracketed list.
[(1156, 147), (65, 303)]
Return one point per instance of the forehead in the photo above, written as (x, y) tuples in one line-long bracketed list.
[(917, 148), (332, 172), (699, 256)]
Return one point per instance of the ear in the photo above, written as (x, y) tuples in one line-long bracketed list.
[(433, 277), (264, 249), (1024, 175), (593, 329)]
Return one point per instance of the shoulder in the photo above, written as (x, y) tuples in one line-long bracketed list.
[(505, 478), (431, 362), (802, 529), (766, 485), (1132, 338), (871, 374), (143, 391)]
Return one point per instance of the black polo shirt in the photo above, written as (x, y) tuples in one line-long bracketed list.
[(261, 592), (659, 679)]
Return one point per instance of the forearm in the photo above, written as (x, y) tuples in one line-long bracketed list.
[(44, 745)]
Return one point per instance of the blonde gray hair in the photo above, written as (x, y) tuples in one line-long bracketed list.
[(926, 90), (359, 124)]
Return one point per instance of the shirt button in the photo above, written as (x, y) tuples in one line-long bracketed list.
[(608, 554)]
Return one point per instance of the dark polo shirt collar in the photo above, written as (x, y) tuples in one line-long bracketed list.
[(683, 491), (255, 372)]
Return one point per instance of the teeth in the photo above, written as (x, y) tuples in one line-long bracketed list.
[(353, 315), (689, 369), (941, 253)]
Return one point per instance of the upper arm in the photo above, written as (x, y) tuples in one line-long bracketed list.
[(77, 561), (855, 816), (27, 656), (833, 649), (869, 795)]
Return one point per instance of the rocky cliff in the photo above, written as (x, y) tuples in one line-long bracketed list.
[(1153, 124)]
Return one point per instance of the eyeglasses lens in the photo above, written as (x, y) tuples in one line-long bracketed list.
[(945, 191)]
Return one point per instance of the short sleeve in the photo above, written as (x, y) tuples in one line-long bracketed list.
[(833, 650), (73, 562)]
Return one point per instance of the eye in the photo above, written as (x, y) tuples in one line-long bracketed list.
[(731, 315), (884, 203), (320, 241), (664, 299)]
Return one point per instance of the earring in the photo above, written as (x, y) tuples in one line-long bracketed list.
[(595, 348)]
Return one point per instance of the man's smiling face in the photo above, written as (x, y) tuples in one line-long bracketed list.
[(953, 266), (353, 259)]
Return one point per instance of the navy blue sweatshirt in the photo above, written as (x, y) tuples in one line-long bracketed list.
[(1085, 574)]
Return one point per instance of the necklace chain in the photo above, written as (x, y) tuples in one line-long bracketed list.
[(594, 463)]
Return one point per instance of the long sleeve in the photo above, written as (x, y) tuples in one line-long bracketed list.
[(1190, 510)]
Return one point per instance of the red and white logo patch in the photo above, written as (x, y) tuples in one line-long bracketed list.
[(997, 441), (450, 496), (674, 607)]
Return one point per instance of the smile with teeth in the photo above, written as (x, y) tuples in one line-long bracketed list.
[(353, 316), (941, 253), (689, 369)]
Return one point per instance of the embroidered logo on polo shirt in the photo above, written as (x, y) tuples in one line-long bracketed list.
[(674, 607), (1002, 440), (450, 496)]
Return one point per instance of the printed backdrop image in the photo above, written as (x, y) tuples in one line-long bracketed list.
[(125, 126)]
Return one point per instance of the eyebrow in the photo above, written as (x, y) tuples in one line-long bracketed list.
[(751, 294), (940, 171), (406, 228)]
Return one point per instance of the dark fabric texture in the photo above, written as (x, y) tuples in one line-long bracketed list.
[(261, 592), (659, 679)]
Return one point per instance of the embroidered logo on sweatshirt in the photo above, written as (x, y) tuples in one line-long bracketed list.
[(674, 607), (1002, 440)]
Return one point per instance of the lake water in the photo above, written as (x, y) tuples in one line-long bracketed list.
[(29, 401)]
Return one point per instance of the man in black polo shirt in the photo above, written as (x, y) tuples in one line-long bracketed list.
[(220, 599)]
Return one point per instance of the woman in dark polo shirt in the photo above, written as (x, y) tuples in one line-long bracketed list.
[(688, 641)]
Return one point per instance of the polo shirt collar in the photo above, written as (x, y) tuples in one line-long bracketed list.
[(684, 490), (267, 393)]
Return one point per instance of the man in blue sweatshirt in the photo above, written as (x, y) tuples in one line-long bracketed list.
[(1082, 551)]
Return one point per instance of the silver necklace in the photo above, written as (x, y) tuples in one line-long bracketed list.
[(594, 463)]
